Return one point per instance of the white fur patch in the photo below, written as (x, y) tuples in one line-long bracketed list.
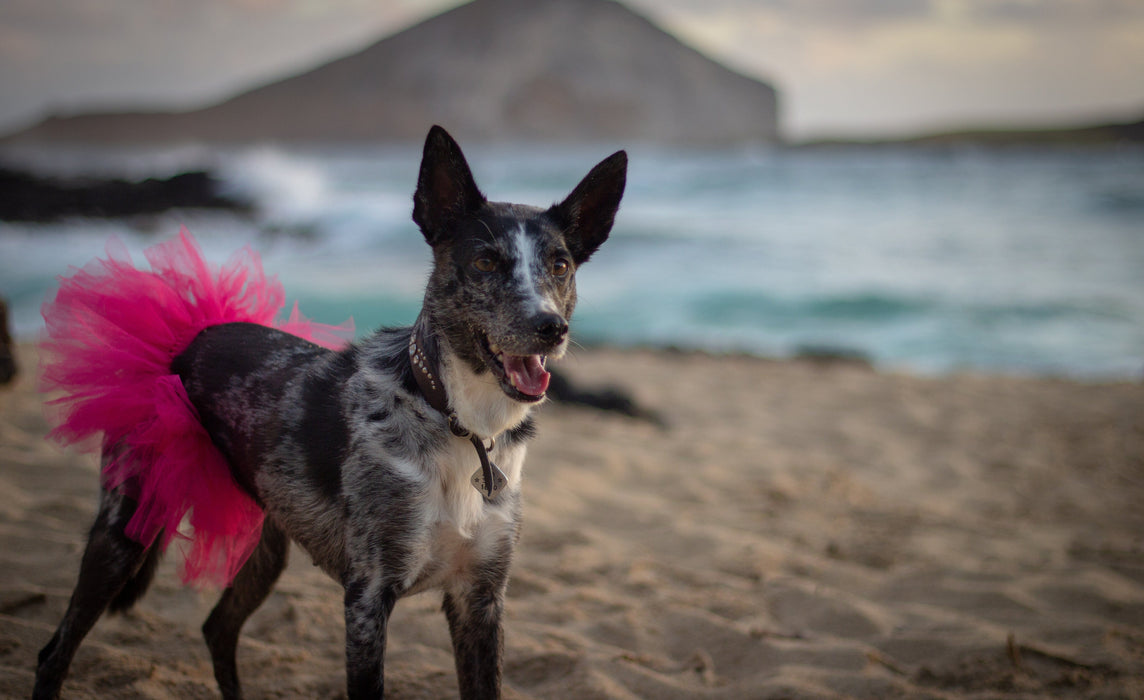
[(524, 272), (462, 530), (479, 401)]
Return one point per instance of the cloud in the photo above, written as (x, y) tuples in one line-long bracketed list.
[(1051, 11), (865, 12), (74, 54), (879, 66)]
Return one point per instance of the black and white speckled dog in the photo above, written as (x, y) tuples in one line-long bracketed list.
[(366, 456)]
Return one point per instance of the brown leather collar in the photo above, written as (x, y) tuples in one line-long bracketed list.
[(423, 355)]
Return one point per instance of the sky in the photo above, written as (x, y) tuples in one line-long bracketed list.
[(855, 68)]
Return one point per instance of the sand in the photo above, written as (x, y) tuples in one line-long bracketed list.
[(796, 530)]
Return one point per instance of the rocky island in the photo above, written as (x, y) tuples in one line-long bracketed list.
[(492, 70)]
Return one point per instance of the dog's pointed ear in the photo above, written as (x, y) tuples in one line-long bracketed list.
[(446, 191), (587, 214)]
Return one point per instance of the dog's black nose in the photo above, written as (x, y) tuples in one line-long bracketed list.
[(551, 328)]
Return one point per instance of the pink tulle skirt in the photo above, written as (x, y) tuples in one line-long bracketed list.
[(111, 334)]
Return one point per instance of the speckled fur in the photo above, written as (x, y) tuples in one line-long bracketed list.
[(349, 460)]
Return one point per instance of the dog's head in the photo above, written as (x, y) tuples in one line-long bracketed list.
[(503, 284)]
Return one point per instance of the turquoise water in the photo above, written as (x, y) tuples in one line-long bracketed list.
[(1012, 261)]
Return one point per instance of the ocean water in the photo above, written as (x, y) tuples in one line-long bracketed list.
[(1016, 261)]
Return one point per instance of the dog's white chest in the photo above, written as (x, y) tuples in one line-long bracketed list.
[(460, 529)]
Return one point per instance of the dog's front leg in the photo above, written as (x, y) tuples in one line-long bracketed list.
[(369, 604), (474, 612)]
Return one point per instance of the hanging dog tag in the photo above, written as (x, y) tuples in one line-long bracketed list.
[(499, 481), (489, 480)]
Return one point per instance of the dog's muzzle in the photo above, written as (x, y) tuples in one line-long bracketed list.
[(524, 375)]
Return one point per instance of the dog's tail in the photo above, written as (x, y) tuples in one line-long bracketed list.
[(110, 336)]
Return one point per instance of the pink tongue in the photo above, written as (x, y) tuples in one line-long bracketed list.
[(527, 374)]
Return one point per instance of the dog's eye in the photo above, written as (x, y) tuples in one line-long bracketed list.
[(485, 264), (560, 268)]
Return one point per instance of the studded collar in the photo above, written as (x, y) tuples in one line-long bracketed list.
[(424, 357)]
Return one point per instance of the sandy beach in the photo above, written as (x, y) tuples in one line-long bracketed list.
[(794, 530)]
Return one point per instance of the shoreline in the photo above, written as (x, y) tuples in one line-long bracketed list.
[(791, 530), (817, 355)]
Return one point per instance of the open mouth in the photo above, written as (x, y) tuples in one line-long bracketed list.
[(522, 377)]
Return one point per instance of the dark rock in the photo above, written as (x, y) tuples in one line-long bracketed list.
[(28, 197), (830, 356), (7, 350), (608, 399)]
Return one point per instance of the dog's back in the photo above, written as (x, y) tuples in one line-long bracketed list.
[(235, 375)]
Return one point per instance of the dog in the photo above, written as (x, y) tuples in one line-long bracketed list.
[(395, 462)]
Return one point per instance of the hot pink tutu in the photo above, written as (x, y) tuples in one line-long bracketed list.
[(111, 334)]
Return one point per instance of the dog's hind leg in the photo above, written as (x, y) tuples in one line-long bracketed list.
[(110, 562), (138, 584), (249, 589)]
